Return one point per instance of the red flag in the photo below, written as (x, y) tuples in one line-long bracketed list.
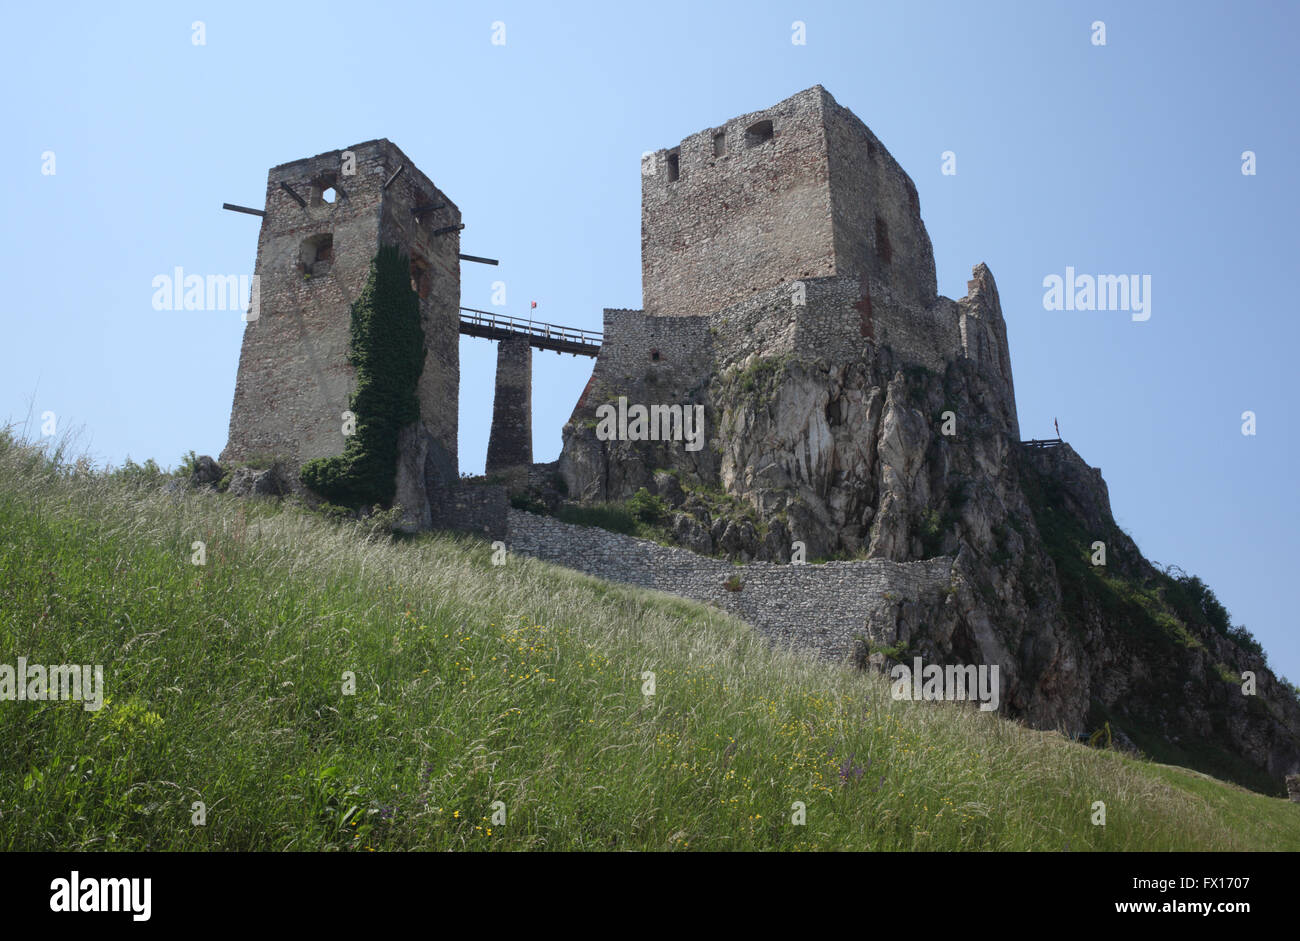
[(534, 305)]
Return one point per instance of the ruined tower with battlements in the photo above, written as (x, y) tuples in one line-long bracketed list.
[(800, 190), (787, 231), (325, 218)]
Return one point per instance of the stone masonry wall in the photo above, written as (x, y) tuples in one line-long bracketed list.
[(436, 279), (473, 508), (740, 220), (294, 380), (823, 609), (643, 353), (731, 212), (661, 359), (511, 442), (875, 212)]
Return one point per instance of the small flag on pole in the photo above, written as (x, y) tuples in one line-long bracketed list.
[(534, 305)]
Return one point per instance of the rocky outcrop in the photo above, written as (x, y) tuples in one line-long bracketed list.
[(873, 456), (280, 479), (206, 472)]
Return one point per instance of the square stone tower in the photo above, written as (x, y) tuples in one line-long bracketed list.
[(325, 219), (800, 190)]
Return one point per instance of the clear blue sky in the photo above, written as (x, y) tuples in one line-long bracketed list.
[(1122, 159)]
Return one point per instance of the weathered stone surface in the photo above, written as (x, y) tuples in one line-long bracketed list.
[(692, 534), (275, 481), (741, 212), (295, 379), (473, 508), (411, 492), (669, 489)]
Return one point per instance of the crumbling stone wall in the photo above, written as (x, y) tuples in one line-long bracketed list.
[(472, 508), (641, 352), (733, 223), (294, 380), (984, 339), (824, 609), (730, 212)]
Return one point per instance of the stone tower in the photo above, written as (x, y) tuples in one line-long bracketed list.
[(803, 191), (784, 234), (800, 190), (325, 219)]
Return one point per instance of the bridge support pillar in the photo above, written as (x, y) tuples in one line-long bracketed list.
[(511, 441)]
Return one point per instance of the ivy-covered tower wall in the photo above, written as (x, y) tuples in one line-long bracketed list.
[(325, 220)]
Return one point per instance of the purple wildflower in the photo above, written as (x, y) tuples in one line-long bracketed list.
[(850, 771)]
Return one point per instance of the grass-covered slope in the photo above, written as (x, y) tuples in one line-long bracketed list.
[(475, 683)]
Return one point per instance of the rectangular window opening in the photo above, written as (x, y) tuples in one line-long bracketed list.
[(316, 254), (758, 133)]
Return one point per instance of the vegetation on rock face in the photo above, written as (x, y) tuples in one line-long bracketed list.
[(474, 683), (1168, 605), (641, 515), (614, 517), (528, 503), (647, 507), (756, 383), (1160, 617), (387, 352)]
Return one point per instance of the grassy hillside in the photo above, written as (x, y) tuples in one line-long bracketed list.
[(477, 683)]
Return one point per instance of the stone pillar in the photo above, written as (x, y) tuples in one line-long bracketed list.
[(1293, 787), (511, 441)]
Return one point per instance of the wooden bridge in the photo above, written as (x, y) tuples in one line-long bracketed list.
[(544, 336), (1043, 443)]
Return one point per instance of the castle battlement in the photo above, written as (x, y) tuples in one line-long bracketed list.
[(799, 190), (794, 228)]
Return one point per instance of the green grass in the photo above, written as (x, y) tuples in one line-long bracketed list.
[(641, 515), (476, 683)]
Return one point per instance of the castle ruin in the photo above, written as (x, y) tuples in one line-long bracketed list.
[(788, 232), (788, 228), (325, 219), (853, 416)]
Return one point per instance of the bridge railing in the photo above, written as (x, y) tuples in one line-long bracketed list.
[(532, 328)]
